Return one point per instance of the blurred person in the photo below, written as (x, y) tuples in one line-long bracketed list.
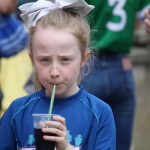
[(147, 21), (7, 6), (13, 36), (111, 79)]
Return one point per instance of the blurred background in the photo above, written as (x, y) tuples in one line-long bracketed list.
[(140, 55), (16, 81)]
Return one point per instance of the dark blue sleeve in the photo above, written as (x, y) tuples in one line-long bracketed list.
[(7, 137)]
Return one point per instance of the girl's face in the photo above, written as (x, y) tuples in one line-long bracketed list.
[(57, 60)]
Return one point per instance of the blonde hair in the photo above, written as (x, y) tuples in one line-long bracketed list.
[(62, 19)]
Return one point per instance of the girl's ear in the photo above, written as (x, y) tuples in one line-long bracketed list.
[(31, 57), (86, 56)]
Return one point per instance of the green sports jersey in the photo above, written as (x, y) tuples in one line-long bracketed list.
[(112, 22)]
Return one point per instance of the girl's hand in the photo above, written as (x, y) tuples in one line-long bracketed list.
[(60, 130), (147, 21)]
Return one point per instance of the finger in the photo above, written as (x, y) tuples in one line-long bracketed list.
[(42, 124), (56, 124), (56, 131), (147, 30), (147, 15), (60, 119), (147, 23), (56, 139), (149, 10)]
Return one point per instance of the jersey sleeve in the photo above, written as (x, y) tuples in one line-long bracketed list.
[(106, 136), (142, 8), (7, 137)]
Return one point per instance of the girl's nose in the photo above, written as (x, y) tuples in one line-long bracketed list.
[(54, 71)]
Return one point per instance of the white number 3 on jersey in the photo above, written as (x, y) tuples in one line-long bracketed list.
[(117, 11)]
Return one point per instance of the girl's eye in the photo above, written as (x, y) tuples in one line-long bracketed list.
[(64, 59), (45, 60)]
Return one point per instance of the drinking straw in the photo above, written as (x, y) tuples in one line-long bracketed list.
[(52, 101)]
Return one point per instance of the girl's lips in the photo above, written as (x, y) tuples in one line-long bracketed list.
[(55, 84)]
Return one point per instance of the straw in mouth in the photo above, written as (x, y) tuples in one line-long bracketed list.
[(52, 101)]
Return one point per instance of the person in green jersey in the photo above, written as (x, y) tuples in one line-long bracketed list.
[(111, 77)]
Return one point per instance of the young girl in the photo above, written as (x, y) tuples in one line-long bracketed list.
[(59, 39)]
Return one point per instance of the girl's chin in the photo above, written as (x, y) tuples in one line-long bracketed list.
[(59, 95)]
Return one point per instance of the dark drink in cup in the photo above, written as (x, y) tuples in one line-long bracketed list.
[(42, 144), (39, 123)]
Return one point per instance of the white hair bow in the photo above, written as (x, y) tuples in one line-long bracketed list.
[(32, 12)]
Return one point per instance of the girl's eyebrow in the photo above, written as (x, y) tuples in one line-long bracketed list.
[(66, 55), (60, 55)]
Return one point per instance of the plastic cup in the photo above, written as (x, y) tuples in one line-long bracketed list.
[(39, 123)]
